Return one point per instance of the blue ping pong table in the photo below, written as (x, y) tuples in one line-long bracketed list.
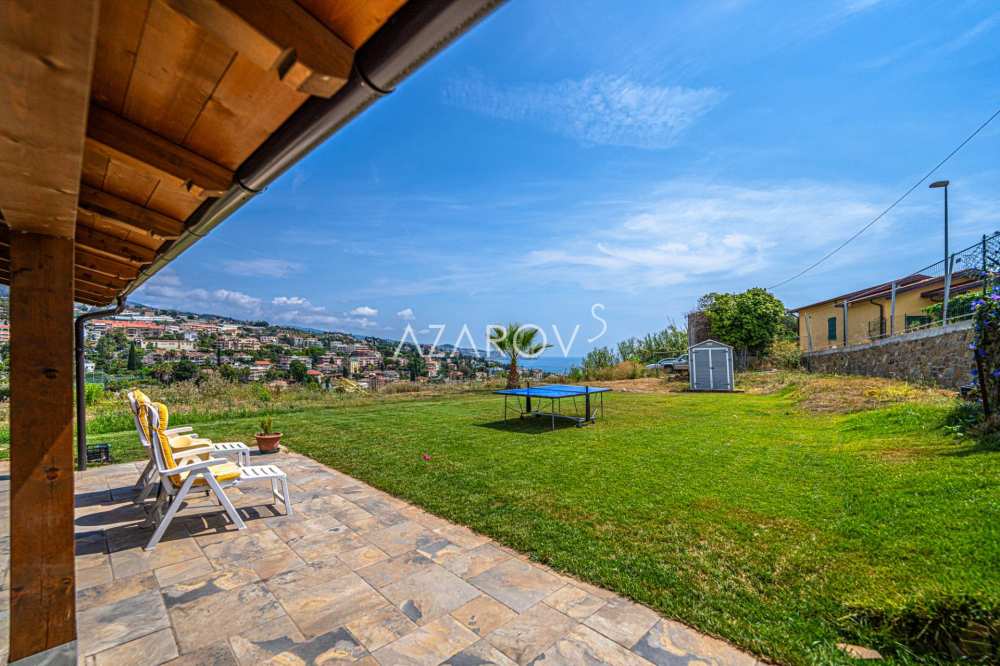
[(555, 393)]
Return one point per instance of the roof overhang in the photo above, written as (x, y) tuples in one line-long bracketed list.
[(137, 128)]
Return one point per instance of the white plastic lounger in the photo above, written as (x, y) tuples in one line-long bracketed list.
[(181, 438), (182, 471)]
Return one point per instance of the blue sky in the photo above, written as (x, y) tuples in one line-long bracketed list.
[(565, 154)]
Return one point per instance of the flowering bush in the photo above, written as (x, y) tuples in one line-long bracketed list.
[(986, 347)]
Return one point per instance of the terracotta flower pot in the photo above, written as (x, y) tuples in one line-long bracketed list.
[(268, 443)]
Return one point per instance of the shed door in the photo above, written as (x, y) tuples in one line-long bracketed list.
[(702, 368), (720, 369)]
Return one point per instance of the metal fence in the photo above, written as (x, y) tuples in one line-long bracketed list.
[(977, 266)]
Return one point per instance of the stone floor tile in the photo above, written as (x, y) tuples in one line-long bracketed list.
[(400, 538), (583, 645), (483, 614), (438, 548), (182, 571), (277, 563), (202, 621), (149, 650), (103, 627), (479, 654), (219, 654), (477, 560), (531, 633), (282, 643), (117, 590), (362, 557), (670, 643), (298, 526), (394, 569), (622, 621), (319, 604), (94, 575), (380, 627), (427, 595), (135, 560), (428, 645), (320, 546), (571, 600), (462, 536), (219, 580), (245, 548), (517, 584)]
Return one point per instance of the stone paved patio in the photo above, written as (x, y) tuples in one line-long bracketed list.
[(354, 576)]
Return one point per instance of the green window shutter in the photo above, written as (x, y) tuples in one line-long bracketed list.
[(831, 328)]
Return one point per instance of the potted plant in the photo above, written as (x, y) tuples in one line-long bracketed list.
[(267, 439)]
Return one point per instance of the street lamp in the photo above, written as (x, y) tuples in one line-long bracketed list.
[(947, 263)]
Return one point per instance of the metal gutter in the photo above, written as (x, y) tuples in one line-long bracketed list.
[(412, 36), (81, 388)]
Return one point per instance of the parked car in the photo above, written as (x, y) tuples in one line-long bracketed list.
[(673, 363), (679, 364), (661, 364)]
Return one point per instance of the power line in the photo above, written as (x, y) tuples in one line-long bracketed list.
[(893, 205)]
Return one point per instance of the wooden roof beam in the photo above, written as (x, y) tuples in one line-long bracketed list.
[(86, 260), (48, 50), (277, 35), (119, 139), (92, 266), (129, 214), (117, 247)]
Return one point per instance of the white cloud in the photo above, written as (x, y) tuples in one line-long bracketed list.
[(406, 314), (276, 268), (695, 232), (364, 311), (598, 109)]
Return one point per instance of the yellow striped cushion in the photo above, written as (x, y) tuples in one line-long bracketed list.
[(224, 472)]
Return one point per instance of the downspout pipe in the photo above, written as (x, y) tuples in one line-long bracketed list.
[(881, 316), (81, 387), (411, 37)]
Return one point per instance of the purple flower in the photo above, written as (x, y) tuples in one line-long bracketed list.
[(974, 372), (995, 373)]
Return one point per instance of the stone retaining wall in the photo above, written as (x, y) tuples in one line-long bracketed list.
[(932, 356)]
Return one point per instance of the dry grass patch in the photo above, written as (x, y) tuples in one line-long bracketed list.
[(841, 394)]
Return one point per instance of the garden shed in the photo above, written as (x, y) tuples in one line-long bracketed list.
[(711, 366)]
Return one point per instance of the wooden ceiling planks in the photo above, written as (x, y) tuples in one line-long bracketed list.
[(280, 37), (354, 20), (245, 109), (177, 106), (119, 33), (176, 69)]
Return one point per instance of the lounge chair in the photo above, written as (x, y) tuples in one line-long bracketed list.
[(179, 472), (180, 439)]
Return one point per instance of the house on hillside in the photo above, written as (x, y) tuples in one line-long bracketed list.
[(868, 312)]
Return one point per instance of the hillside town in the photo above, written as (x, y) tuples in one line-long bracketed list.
[(175, 346)]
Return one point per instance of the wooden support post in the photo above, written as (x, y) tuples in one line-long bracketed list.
[(42, 575)]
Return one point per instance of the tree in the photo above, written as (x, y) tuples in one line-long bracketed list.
[(184, 370), (297, 371), (750, 321), (599, 358), (134, 360), (516, 341), (417, 366)]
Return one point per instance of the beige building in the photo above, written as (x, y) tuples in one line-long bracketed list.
[(870, 313)]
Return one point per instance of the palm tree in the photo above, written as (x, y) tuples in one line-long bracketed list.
[(515, 341)]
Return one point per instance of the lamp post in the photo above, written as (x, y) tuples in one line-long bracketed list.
[(947, 262)]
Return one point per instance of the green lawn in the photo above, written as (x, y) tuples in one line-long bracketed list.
[(781, 531)]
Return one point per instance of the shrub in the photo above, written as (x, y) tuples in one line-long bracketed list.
[(785, 355), (93, 393)]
